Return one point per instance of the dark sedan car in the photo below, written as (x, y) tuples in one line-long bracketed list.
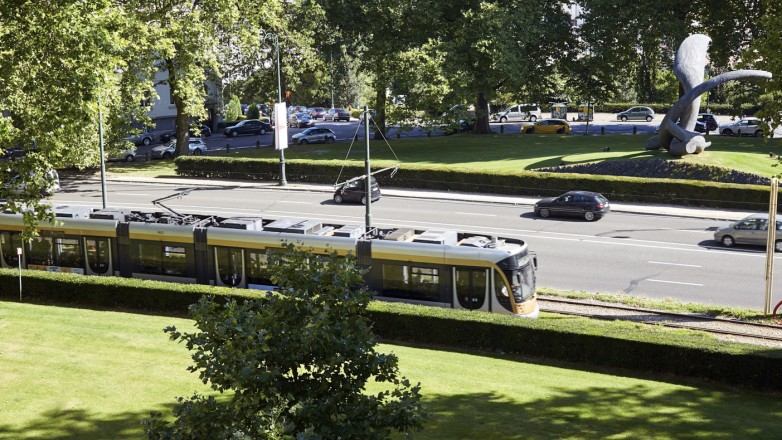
[(316, 112), (354, 190), (589, 205), (249, 126), (337, 114)]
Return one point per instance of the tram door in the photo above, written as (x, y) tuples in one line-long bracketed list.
[(229, 264), (471, 288), (98, 256)]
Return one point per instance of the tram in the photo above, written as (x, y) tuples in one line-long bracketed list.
[(433, 267)]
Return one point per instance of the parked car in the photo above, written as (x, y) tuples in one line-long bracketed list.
[(742, 127), (51, 183), (300, 120), (297, 109), (337, 114), (636, 113), (706, 122), (751, 230), (249, 126), (145, 138), (546, 126), (314, 135), (519, 112), (316, 112), (589, 205), (197, 148), (171, 134), (354, 190), (124, 156)]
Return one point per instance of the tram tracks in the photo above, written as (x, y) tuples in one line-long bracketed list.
[(722, 328)]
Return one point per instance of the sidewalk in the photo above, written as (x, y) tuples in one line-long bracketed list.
[(639, 208)]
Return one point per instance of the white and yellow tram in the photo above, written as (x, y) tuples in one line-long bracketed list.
[(431, 267)]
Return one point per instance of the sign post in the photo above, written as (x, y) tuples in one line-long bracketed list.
[(771, 243), (19, 259)]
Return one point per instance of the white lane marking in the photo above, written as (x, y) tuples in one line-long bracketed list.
[(675, 264), (675, 282), (293, 201), (130, 194), (472, 213)]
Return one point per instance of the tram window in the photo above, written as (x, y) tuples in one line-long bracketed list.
[(174, 260), (471, 287), (160, 259), (9, 243), (67, 252), (395, 278), (258, 269), (40, 251), (411, 282), (528, 283), (98, 254), (229, 265)]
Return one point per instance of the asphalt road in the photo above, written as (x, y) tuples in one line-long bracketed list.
[(653, 256)]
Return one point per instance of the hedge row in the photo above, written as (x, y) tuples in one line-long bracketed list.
[(530, 183), (624, 345)]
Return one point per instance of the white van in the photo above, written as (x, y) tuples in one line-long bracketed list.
[(519, 112)]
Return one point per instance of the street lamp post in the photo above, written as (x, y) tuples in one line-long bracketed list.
[(276, 40), (102, 157)]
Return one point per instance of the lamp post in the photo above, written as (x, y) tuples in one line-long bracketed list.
[(102, 157), (276, 40)]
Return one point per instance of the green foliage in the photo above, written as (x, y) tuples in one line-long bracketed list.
[(253, 112), (234, 109), (295, 362), (766, 50)]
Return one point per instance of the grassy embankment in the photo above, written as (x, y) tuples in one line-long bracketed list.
[(512, 153), (73, 374)]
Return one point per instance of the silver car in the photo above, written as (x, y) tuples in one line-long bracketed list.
[(197, 148), (637, 113), (752, 230)]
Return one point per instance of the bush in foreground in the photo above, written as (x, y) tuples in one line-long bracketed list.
[(295, 363)]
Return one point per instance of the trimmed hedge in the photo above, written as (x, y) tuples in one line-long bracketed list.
[(531, 183), (614, 344)]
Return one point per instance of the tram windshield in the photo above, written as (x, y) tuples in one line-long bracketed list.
[(520, 272)]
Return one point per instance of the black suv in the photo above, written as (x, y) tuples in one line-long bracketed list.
[(354, 190), (250, 126), (589, 205), (706, 122)]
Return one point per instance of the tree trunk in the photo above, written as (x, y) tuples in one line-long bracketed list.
[(182, 126), (380, 117), (481, 116)]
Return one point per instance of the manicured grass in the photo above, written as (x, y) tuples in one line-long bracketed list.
[(511, 152), (72, 374)]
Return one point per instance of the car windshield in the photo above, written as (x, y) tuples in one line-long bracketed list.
[(309, 131)]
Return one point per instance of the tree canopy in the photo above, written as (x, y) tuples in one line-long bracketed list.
[(294, 363)]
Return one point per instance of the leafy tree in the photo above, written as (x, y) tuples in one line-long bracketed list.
[(499, 47), (62, 63), (765, 51), (295, 363), (189, 41), (234, 109)]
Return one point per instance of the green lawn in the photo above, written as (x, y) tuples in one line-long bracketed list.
[(512, 152), (73, 374)]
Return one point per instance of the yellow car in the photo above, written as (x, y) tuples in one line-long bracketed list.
[(548, 125)]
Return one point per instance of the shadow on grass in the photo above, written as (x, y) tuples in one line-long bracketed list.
[(604, 412), (77, 424), (639, 411)]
